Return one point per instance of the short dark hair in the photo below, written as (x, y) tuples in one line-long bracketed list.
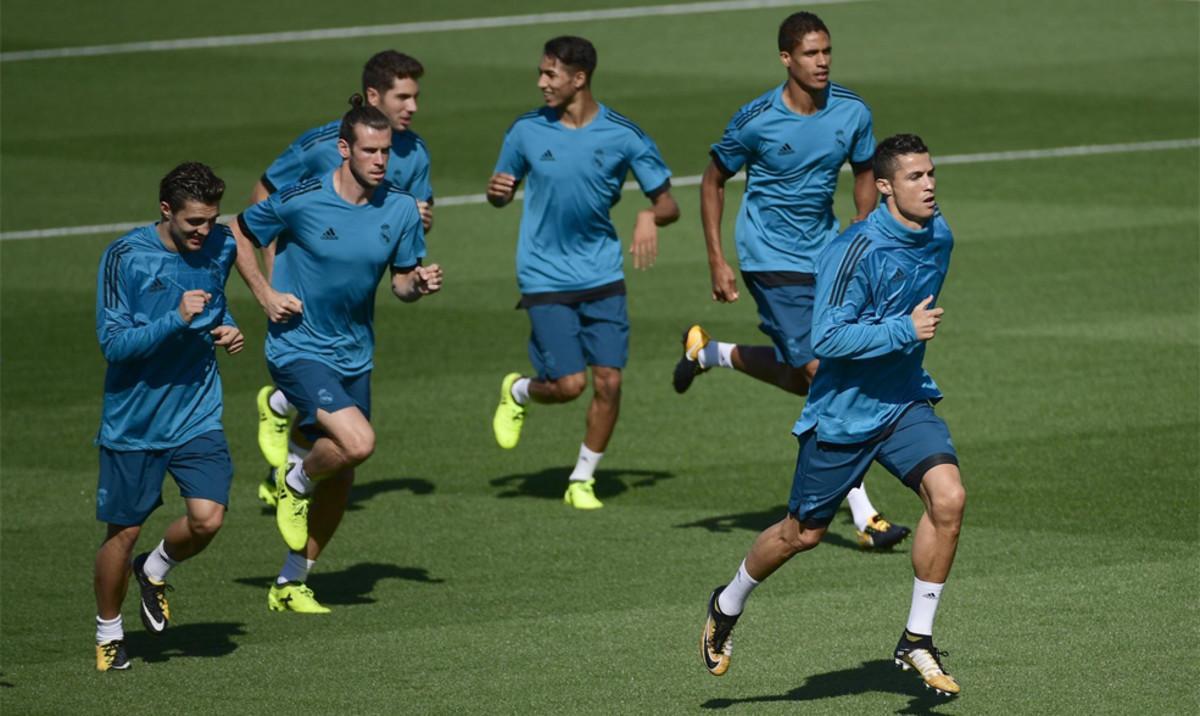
[(574, 52), (190, 180), (795, 26), (887, 152), (386, 67), (363, 114)]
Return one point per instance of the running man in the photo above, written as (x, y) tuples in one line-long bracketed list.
[(160, 314), (343, 230), (575, 153), (792, 141), (871, 400), (391, 83)]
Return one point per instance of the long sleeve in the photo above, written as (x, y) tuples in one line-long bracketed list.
[(120, 339), (842, 297)]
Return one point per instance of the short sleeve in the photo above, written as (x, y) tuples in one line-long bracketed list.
[(864, 139), (512, 159), (731, 153), (648, 167), (263, 221), (410, 249)]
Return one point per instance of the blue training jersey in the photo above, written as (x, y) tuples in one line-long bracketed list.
[(869, 280), (315, 153), (567, 241), (331, 254), (162, 387), (792, 163)]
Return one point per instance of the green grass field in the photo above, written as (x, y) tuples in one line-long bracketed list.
[(1070, 358)]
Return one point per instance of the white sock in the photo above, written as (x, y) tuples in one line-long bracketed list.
[(279, 403), (109, 629), (860, 506), (732, 599), (295, 568), (158, 564), (520, 390), (925, 598), (585, 466), (716, 354), (297, 453), (298, 479)]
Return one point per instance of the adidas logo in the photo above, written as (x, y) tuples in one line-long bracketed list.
[(930, 595), (548, 156), (786, 149), (329, 235), (157, 286)]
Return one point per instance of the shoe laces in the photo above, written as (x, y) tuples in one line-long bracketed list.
[(879, 523), (110, 650), (928, 661)]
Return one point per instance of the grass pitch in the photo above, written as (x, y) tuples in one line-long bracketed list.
[(1070, 358)]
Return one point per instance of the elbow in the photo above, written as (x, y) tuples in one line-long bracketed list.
[(669, 213)]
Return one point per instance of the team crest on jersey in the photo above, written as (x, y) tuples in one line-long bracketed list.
[(598, 158), (840, 136), (385, 233)]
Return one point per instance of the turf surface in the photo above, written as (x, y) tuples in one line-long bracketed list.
[(459, 581)]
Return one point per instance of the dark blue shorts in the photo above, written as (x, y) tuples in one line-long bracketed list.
[(785, 314), (825, 473), (131, 481), (310, 386), (567, 337)]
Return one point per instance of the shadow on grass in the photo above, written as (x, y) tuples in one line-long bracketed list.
[(762, 519), (6, 684), (880, 676), (353, 585), (551, 483), (184, 640), (366, 491)]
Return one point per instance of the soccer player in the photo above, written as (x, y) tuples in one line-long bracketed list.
[(871, 400), (575, 152), (390, 82), (792, 141), (338, 233), (160, 313)]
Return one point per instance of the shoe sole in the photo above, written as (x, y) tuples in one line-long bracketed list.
[(905, 666)]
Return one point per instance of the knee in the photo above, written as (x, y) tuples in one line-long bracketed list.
[(803, 541), (571, 386), (360, 445), (205, 526), (948, 506), (608, 385)]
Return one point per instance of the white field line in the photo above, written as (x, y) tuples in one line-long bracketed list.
[(694, 180), (406, 28)]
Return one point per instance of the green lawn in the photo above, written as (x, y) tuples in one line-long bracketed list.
[(1070, 358)]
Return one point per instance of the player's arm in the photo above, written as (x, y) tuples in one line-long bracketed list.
[(228, 335), (279, 307), (413, 283), (501, 189), (122, 340), (842, 297), (712, 209), (866, 196), (664, 210)]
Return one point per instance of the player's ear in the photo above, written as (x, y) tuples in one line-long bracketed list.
[(884, 186), (372, 96), (343, 148), (785, 58), (165, 209)]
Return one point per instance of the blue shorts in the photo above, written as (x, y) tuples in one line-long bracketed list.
[(825, 473), (131, 481), (310, 386), (785, 313), (567, 337)]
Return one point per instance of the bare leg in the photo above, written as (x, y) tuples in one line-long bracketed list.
[(190, 534), (936, 540), (111, 578), (760, 362), (559, 390), (778, 543), (347, 442), (604, 408), (328, 507)]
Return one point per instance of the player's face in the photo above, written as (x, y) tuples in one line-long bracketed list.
[(808, 62), (559, 82), (912, 187), (399, 103), (368, 157), (191, 224)]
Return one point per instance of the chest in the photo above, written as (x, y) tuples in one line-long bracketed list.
[(798, 144), (350, 236), (157, 285), (905, 277), (590, 158)]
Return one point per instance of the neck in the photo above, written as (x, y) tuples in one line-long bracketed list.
[(802, 100), (913, 222), (164, 235), (580, 110), (350, 188)]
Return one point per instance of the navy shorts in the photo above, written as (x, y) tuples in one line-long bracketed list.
[(785, 314), (567, 337), (310, 386), (825, 473), (131, 481)]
